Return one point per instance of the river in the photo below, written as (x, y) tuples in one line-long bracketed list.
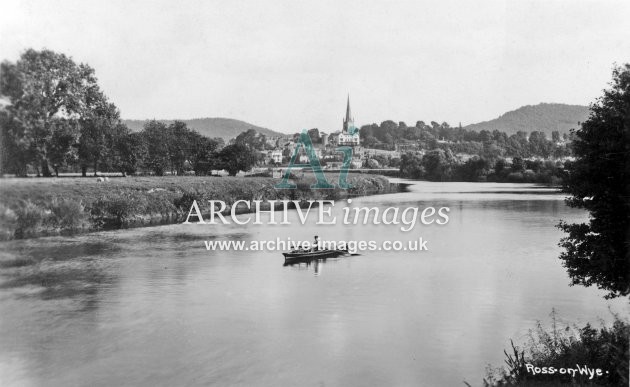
[(152, 306)]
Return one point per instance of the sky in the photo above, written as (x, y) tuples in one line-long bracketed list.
[(289, 65)]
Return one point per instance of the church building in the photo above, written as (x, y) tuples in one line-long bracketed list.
[(349, 135)]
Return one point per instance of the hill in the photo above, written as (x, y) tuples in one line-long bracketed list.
[(226, 128), (544, 117)]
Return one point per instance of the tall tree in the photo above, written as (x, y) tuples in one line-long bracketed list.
[(98, 129), (203, 153), (236, 157), (129, 151), (155, 138), (596, 253), (61, 148), (44, 86), (252, 139), (16, 151), (180, 144)]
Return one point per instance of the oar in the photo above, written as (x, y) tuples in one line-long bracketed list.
[(345, 252)]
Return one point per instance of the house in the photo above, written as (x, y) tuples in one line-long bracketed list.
[(276, 156)]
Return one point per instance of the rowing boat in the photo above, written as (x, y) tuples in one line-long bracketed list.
[(301, 255)]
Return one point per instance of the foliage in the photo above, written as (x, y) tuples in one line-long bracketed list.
[(29, 219), (235, 158), (157, 156), (605, 348), (488, 144), (58, 116), (67, 214), (437, 165), (252, 140), (99, 129), (440, 165), (596, 253), (43, 88), (8, 222), (113, 210), (411, 166), (129, 152), (84, 204)]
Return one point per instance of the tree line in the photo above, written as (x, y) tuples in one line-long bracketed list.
[(484, 143), (58, 119), (55, 117), (443, 165)]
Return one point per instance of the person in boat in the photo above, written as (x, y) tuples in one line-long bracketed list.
[(316, 244)]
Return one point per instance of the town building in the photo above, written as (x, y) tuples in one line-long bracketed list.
[(349, 135)]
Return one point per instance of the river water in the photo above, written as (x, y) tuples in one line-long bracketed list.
[(152, 306)]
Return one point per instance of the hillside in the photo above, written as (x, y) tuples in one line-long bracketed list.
[(545, 117), (225, 128)]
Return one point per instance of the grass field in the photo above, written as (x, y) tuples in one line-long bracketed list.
[(47, 206)]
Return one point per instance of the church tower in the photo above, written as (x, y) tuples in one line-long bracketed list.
[(350, 134), (348, 122)]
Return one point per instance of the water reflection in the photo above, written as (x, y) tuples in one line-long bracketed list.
[(61, 269), (316, 264)]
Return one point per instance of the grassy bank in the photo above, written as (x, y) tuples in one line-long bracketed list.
[(48, 206), (551, 352)]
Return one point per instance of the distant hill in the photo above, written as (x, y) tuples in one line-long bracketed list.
[(544, 117), (226, 128)]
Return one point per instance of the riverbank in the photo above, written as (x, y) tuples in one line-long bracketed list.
[(36, 207), (566, 355)]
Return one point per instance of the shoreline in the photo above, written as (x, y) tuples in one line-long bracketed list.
[(33, 208)]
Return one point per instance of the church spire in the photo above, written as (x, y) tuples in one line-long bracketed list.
[(348, 114)]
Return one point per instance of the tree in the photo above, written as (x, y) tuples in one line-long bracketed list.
[(437, 164), (16, 151), (518, 165), (155, 139), (129, 151), (61, 150), (474, 169), (236, 157), (98, 127), (555, 136), (539, 145), (596, 253), (252, 139), (411, 166), (315, 136), (203, 154), (180, 144), (42, 87)]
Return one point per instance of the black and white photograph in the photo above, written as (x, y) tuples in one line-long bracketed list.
[(314, 193)]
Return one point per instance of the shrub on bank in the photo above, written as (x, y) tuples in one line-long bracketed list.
[(113, 211), (8, 222), (31, 207), (605, 348), (29, 220), (68, 214)]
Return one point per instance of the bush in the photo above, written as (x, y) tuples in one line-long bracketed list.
[(68, 214), (8, 223), (515, 177), (112, 211), (605, 348), (29, 219)]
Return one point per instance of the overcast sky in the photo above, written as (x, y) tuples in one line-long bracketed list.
[(288, 65)]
